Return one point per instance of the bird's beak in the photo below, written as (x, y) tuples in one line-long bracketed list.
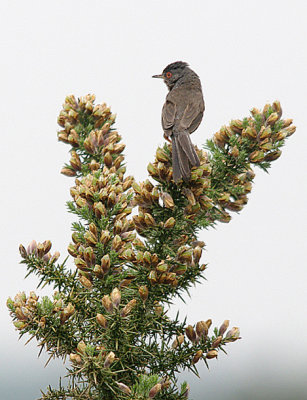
[(158, 76)]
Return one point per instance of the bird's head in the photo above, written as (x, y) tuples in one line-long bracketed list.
[(173, 72)]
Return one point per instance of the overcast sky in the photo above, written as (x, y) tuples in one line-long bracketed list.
[(246, 54)]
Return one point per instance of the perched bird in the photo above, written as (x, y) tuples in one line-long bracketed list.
[(181, 115)]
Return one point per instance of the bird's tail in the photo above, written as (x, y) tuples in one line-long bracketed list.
[(184, 156)]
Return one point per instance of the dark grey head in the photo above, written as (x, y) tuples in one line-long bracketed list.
[(174, 72)]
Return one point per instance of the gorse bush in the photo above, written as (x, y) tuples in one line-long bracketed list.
[(107, 317)]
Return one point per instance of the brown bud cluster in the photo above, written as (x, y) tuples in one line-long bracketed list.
[(73, 111), (67, 312), (22, 308), (87, 354), (161, 170), (39, 250), (109, 191), (264, 130), (101, 142)]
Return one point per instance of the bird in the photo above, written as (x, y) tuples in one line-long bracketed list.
[(182, 113)]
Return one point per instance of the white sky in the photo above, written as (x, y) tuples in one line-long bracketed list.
[(246, 54)]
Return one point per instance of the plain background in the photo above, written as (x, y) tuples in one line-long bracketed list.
[(246, 54)]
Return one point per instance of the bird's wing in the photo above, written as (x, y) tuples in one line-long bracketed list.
[(168, 115), (191, 113)]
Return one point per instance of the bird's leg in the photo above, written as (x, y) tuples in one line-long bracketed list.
[(166, 137)]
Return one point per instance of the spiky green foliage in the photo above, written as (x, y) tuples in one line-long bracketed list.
[(108, 316)]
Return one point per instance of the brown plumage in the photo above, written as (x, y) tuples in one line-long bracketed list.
[(181, 115)]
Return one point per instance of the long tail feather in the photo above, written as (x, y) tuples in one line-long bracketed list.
[(183, 155), (187, 146), (176, 168)]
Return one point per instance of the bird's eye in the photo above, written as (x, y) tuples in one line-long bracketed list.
[(169, 75)]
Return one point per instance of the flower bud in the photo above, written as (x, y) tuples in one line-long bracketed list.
[(99, 209), (107, 303), (152, 170), (20, 324), (217, 342), (178, 341), (108, 160), (67, 313), (47, 246), (143, 291), (81, 347), (255, 111), (90, 238), (81, 202), (265, 132), (32, 248), (190, 332), (128, 307), (277, 107), (155, 390), (167, 200), (272, 118), (190, 196), (75, 358), (116, 297), (224, 327), (23, 251), (256, 156), (116, 242), (161, 155), (147, 257), (273, 155), (233, 334), (236, 125), (101, 320), (80, 264), (250, 132), (55, 257), (105, 237), (119, 148), (75, 161), (185, 256), (180, 269), (209, 323), (63, 137), (235, 152), (105, 263), (290, 130), (197, 356), (109, 359), (98, 271), (158, 308), (72, 250), (68, 171), (94, 165), (149, 220), (89, 256), (197, 251), (212, 354), (170, 223), (201, 329), (152, 277), (124, 388), (85, 282), (287, 122)]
